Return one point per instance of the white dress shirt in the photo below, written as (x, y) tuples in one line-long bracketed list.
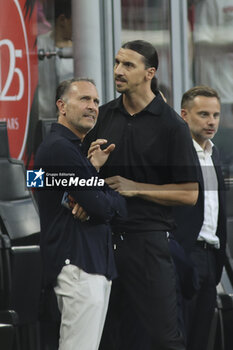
[(211, 203)]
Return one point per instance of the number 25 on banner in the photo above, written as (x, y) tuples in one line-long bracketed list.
[(11, 72)]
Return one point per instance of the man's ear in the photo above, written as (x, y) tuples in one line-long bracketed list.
[(151, 73), (61, 106), (184, 114)]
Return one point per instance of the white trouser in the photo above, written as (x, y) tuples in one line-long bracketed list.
[(83, 301)]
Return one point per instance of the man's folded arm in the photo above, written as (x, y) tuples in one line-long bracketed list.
[(101, 205)]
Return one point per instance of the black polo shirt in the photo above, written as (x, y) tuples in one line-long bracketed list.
[(153, 146), (64, 239)]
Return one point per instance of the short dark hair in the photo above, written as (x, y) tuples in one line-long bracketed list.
[(200, 90), (62, 7), (150, 57), (64, 87)]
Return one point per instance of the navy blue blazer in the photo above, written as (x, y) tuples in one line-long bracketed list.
[(189, 219)]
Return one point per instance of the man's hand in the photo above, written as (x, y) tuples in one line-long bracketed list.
[(79, 213), (96, 155), (122, 185)]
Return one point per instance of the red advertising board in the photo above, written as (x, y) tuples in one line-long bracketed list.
[(18, 69)]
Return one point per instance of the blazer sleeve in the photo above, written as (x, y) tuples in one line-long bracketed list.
[(100, 202)]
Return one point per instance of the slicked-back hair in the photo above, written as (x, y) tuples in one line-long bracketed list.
[(200, 90), (145, 49), (65, 85), (150, 56)]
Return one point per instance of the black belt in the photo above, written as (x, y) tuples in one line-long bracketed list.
[(205, 245), (136, 234)]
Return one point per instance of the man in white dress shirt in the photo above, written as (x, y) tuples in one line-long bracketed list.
[(201, 229)]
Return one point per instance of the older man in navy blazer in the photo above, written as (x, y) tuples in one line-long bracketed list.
[(201, 229)]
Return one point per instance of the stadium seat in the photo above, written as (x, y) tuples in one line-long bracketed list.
[(7, 336), (20, 281), (9, 332)]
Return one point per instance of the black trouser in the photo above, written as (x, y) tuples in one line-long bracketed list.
[(142, 312), (199, 311)]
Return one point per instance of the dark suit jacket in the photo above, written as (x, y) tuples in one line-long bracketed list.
[(189, 219)]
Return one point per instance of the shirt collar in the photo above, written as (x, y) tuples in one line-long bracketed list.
[(154, 107), (65, 132), (208, 149)]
